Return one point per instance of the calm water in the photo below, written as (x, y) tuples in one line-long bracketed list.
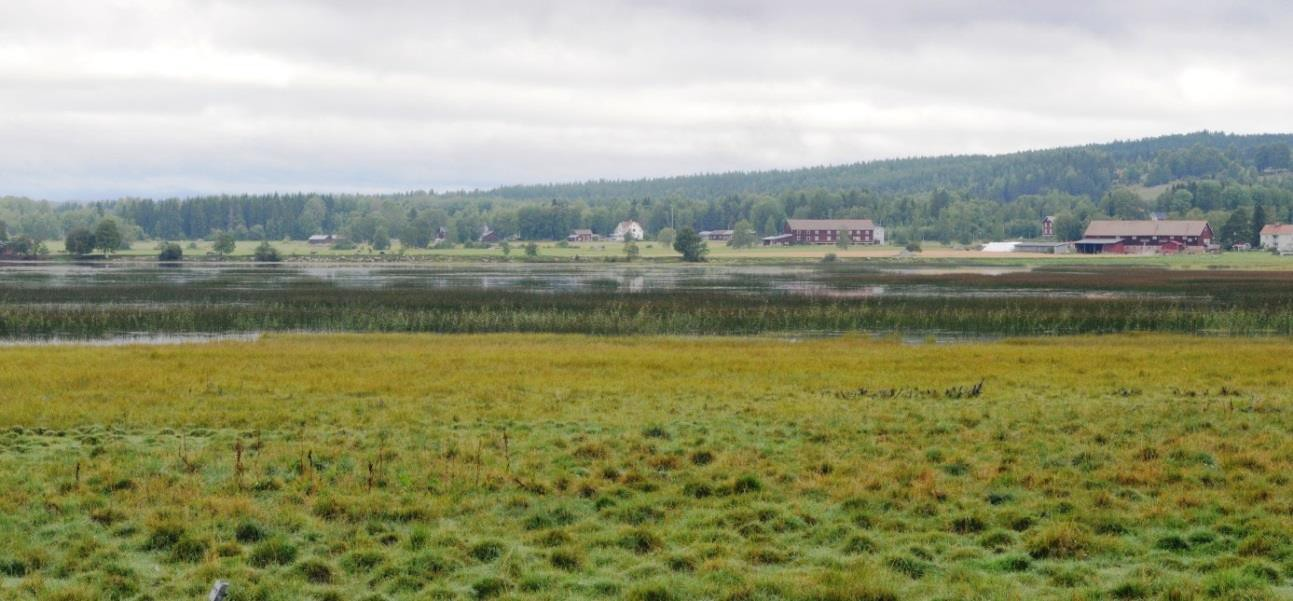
[(85, 288), (811, 280)]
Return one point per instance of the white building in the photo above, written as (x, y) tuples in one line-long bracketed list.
[(627, 228), (1278, 237)]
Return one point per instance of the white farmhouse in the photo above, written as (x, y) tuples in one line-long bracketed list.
[(626, 229), (1278, 237)]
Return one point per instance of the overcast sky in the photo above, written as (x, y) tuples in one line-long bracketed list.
[(176, 97)]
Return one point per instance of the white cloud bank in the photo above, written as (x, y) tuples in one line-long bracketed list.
[(162, 97)]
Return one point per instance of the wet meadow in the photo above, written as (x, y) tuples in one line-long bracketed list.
[(798, 433)]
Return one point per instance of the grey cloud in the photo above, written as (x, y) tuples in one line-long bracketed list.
[(147, 97)]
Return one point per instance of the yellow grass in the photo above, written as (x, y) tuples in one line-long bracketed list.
[(567, 467)]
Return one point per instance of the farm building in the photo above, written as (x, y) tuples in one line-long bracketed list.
[(826, 231), (716, 235), (581, 236), (1145, 237), (626, 229), (1048, 226), (487, 235), (779, 240), (1278, 237), (323, 239)]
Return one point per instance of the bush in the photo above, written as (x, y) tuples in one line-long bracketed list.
[(170, 252), (531, 249), (266, 253), (913, 247), (830, 258), (249, 532)]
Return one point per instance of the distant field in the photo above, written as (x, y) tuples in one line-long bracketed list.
[(566, 467), (721, 252)]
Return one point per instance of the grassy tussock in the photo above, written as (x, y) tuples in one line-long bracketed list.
[(557, 467)]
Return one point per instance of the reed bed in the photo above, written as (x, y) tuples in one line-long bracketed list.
[(1222, 304)]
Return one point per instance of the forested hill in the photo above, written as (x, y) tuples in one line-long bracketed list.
[(1237, 183), (1089, 171)]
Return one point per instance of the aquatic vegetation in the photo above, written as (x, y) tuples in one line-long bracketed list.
[(823, 301)]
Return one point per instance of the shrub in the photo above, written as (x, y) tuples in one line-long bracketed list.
[(266, 253), (170, 252)]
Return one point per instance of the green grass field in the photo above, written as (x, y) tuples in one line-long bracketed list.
[(567, 467)]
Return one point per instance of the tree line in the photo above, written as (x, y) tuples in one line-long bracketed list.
[(1217, 177)]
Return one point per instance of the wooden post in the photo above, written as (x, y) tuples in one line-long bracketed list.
[(237, 463), (507, 455)]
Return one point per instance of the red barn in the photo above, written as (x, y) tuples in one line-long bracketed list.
[(1145, 237), (826, 231)]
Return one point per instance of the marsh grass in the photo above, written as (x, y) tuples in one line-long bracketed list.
[(569, 467), (1092, 300)]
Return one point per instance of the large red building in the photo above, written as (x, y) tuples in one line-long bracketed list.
[(826, 231), (1149, 237)]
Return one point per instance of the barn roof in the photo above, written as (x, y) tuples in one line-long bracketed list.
[(1122, 229), (1277, 229), (830, 224)]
